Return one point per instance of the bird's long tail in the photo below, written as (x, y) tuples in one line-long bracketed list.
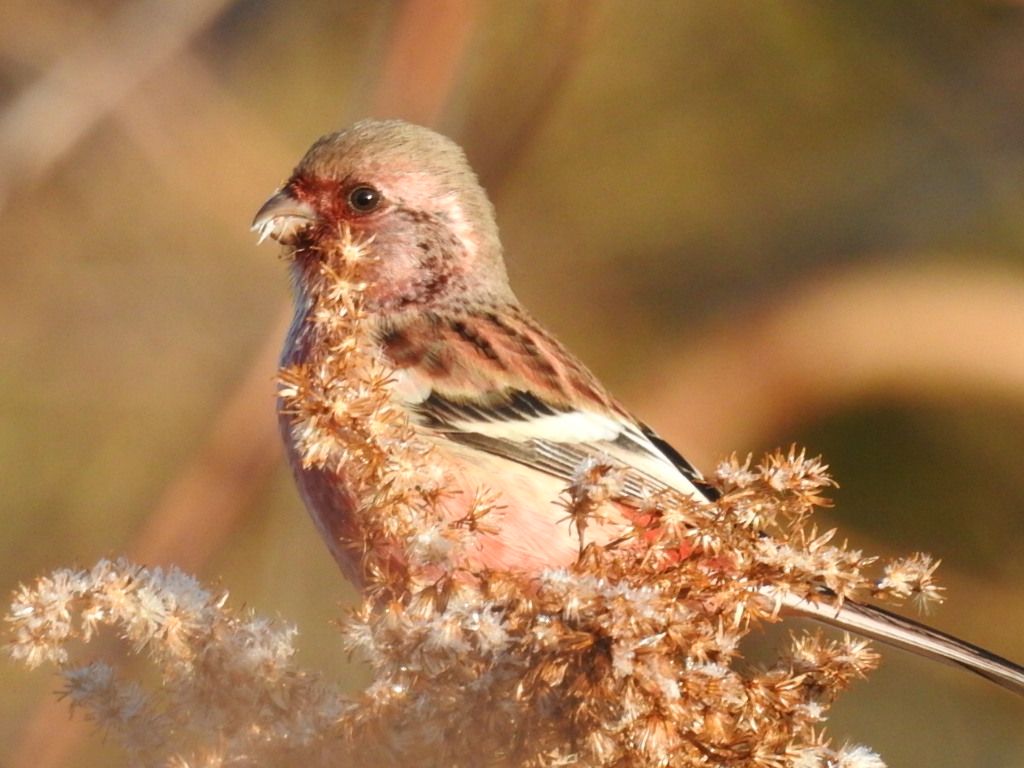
[(913, 636)]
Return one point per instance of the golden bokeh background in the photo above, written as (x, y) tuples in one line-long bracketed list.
[(760, 222)]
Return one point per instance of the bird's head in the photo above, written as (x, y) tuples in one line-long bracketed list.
[(409, 189)]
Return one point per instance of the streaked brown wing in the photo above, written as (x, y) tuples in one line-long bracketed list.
[(502, 385)]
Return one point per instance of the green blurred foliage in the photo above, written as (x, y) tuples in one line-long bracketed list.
[(696, 159)]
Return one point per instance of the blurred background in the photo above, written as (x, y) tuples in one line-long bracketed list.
[(760, 223)]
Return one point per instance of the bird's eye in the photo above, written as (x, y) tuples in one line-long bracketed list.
[(364, 199)]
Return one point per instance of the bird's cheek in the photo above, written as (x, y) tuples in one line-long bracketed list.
[(397, 277)]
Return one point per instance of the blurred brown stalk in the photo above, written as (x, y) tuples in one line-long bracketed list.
[(420, 66), (848, 336)]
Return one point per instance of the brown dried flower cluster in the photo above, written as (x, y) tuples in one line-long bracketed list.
[(228, 692), (631, 657)]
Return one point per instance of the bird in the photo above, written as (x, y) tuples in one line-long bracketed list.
[(501, 400)]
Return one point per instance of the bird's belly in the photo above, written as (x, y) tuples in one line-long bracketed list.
[(533, 526), (329, 501), (533, 531)]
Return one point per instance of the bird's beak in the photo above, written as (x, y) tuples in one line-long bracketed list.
[(283, 218)]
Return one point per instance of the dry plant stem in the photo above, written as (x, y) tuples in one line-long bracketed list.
[(47, 120), (574, 22), (201, 507), (429, 39), (831, 343), (185, 128)]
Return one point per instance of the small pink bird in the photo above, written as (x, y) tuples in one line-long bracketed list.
[(503, 403)]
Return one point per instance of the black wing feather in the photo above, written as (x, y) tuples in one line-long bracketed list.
[(559, 459), (687, 469)]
